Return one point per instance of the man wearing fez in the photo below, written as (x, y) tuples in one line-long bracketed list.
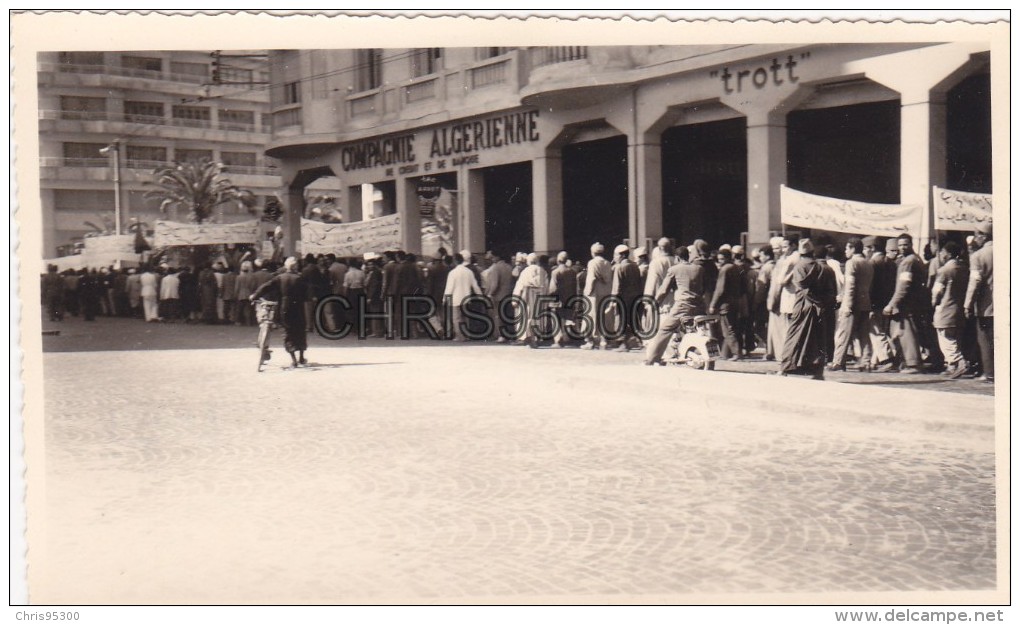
[(978, 302), (804, 348), (948, 295), (852, 317), (627, 285), (908, 307), (460, 285), (289, 289), (597, 286)]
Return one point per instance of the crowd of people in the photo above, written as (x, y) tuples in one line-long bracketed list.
[(882, 308)]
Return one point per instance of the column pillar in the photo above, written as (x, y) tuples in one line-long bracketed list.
[(766, 171), (410, 215), (350, 203), (471, 201), (645, 180), (922, 156), (294, 208), (547, 204)]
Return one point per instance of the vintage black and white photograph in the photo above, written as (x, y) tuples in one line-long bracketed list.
[(327, 310)]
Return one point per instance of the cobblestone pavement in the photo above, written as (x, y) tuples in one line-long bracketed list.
[(480, 473), (107, 334)]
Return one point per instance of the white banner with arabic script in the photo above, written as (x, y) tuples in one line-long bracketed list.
[(111, 244), (174, 233), (351, 239), (960, 210), (825, 213)]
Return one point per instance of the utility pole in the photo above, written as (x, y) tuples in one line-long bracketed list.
[(114, 148)]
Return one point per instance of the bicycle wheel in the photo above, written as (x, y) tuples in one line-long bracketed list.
[(263, 343)]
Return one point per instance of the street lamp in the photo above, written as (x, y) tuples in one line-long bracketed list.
[(114, 148)]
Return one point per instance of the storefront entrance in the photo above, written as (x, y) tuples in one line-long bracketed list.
[(508, 211), (704, 182), (595, 202), (848, 152), (969, 135)]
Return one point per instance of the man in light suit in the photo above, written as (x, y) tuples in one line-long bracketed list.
[(598, 285), (854, 314)]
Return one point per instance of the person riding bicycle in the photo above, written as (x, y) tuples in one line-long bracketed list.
[(288, 288), (687, 279)]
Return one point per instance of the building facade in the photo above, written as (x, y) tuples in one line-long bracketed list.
[(155, 108), (551, 148)]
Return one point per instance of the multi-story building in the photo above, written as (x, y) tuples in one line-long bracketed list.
[(557, 147), (155, 108)]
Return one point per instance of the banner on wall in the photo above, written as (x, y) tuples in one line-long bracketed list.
[(351, 239), (825, 213), (174, 233), (960, 210), (123, 244)]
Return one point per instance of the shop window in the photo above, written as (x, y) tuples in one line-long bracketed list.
[(425, 61), (369, 69)]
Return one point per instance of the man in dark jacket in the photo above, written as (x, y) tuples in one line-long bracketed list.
[(289, 289), (726, 296)]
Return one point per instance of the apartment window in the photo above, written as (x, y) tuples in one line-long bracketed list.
[(194, 116), (190, 72), (145, 156), (80, 58), (267, 122), (184, 155), (425, 61), (231, 119), (488, 53), (135, 111), (83, 200), (291, 93), (145, 63), (78, 107), (238, 75), (238, 159), (369, 69), (84, 155)]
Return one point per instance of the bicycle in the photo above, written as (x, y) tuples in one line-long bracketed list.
[(265, 313)]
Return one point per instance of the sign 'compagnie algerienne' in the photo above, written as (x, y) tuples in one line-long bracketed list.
[(451, 145)]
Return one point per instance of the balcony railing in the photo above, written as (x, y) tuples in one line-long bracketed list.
[(557, 54), (148, 165), (418, 91), (289, 117), (362, 104), (492, 74), (131, 72), (150, 120)]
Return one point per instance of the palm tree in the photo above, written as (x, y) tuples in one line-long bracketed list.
[(198, 186)]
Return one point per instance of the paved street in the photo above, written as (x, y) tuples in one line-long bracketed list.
[(471, 473)]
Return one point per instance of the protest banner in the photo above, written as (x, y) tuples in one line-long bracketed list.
[(351, 239), (111, 244), (807, 210), (174, 233), (960, 210)]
